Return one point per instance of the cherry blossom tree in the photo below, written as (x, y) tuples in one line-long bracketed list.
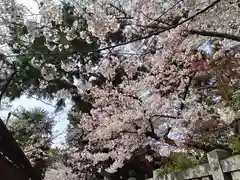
[(134, 73)]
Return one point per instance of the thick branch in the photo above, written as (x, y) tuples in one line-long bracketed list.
[(151, 125), (151, 133), (185, 93), (8, 117), (215, 34), (167, 139)]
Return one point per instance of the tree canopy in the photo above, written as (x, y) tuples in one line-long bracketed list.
[(143, 77)]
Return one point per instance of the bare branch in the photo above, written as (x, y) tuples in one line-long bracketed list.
[(8, 117), (215, 34), (165, 116), (159, 17), (185, 93)]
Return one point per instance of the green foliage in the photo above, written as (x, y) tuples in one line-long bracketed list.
[(31, 123), (56, 155), (235, 101), (179, 162), (209, 100), (32, 129), (235, 144)]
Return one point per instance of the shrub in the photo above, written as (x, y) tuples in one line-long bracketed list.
[(179, 162)]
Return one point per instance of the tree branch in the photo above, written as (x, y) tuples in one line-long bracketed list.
[(5, 86), (185, 93), (151, 125), (151, 133), (121, 11), (165, 12), (215, 34), (156, 20), (8, 117), (165, 116), (167, 139), (163, 30)]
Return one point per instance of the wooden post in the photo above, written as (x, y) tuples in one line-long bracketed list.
[(214, 158)]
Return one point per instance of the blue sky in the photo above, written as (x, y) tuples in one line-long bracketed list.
[(29, 103)]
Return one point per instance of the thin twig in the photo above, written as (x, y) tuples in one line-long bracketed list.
[(165, 116), (157, 20), (167, 10), (121, 11)]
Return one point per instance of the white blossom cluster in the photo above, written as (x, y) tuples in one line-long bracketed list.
[(59, 171), (100, 23)]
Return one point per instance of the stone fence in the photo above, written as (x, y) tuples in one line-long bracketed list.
[(219, 167)]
